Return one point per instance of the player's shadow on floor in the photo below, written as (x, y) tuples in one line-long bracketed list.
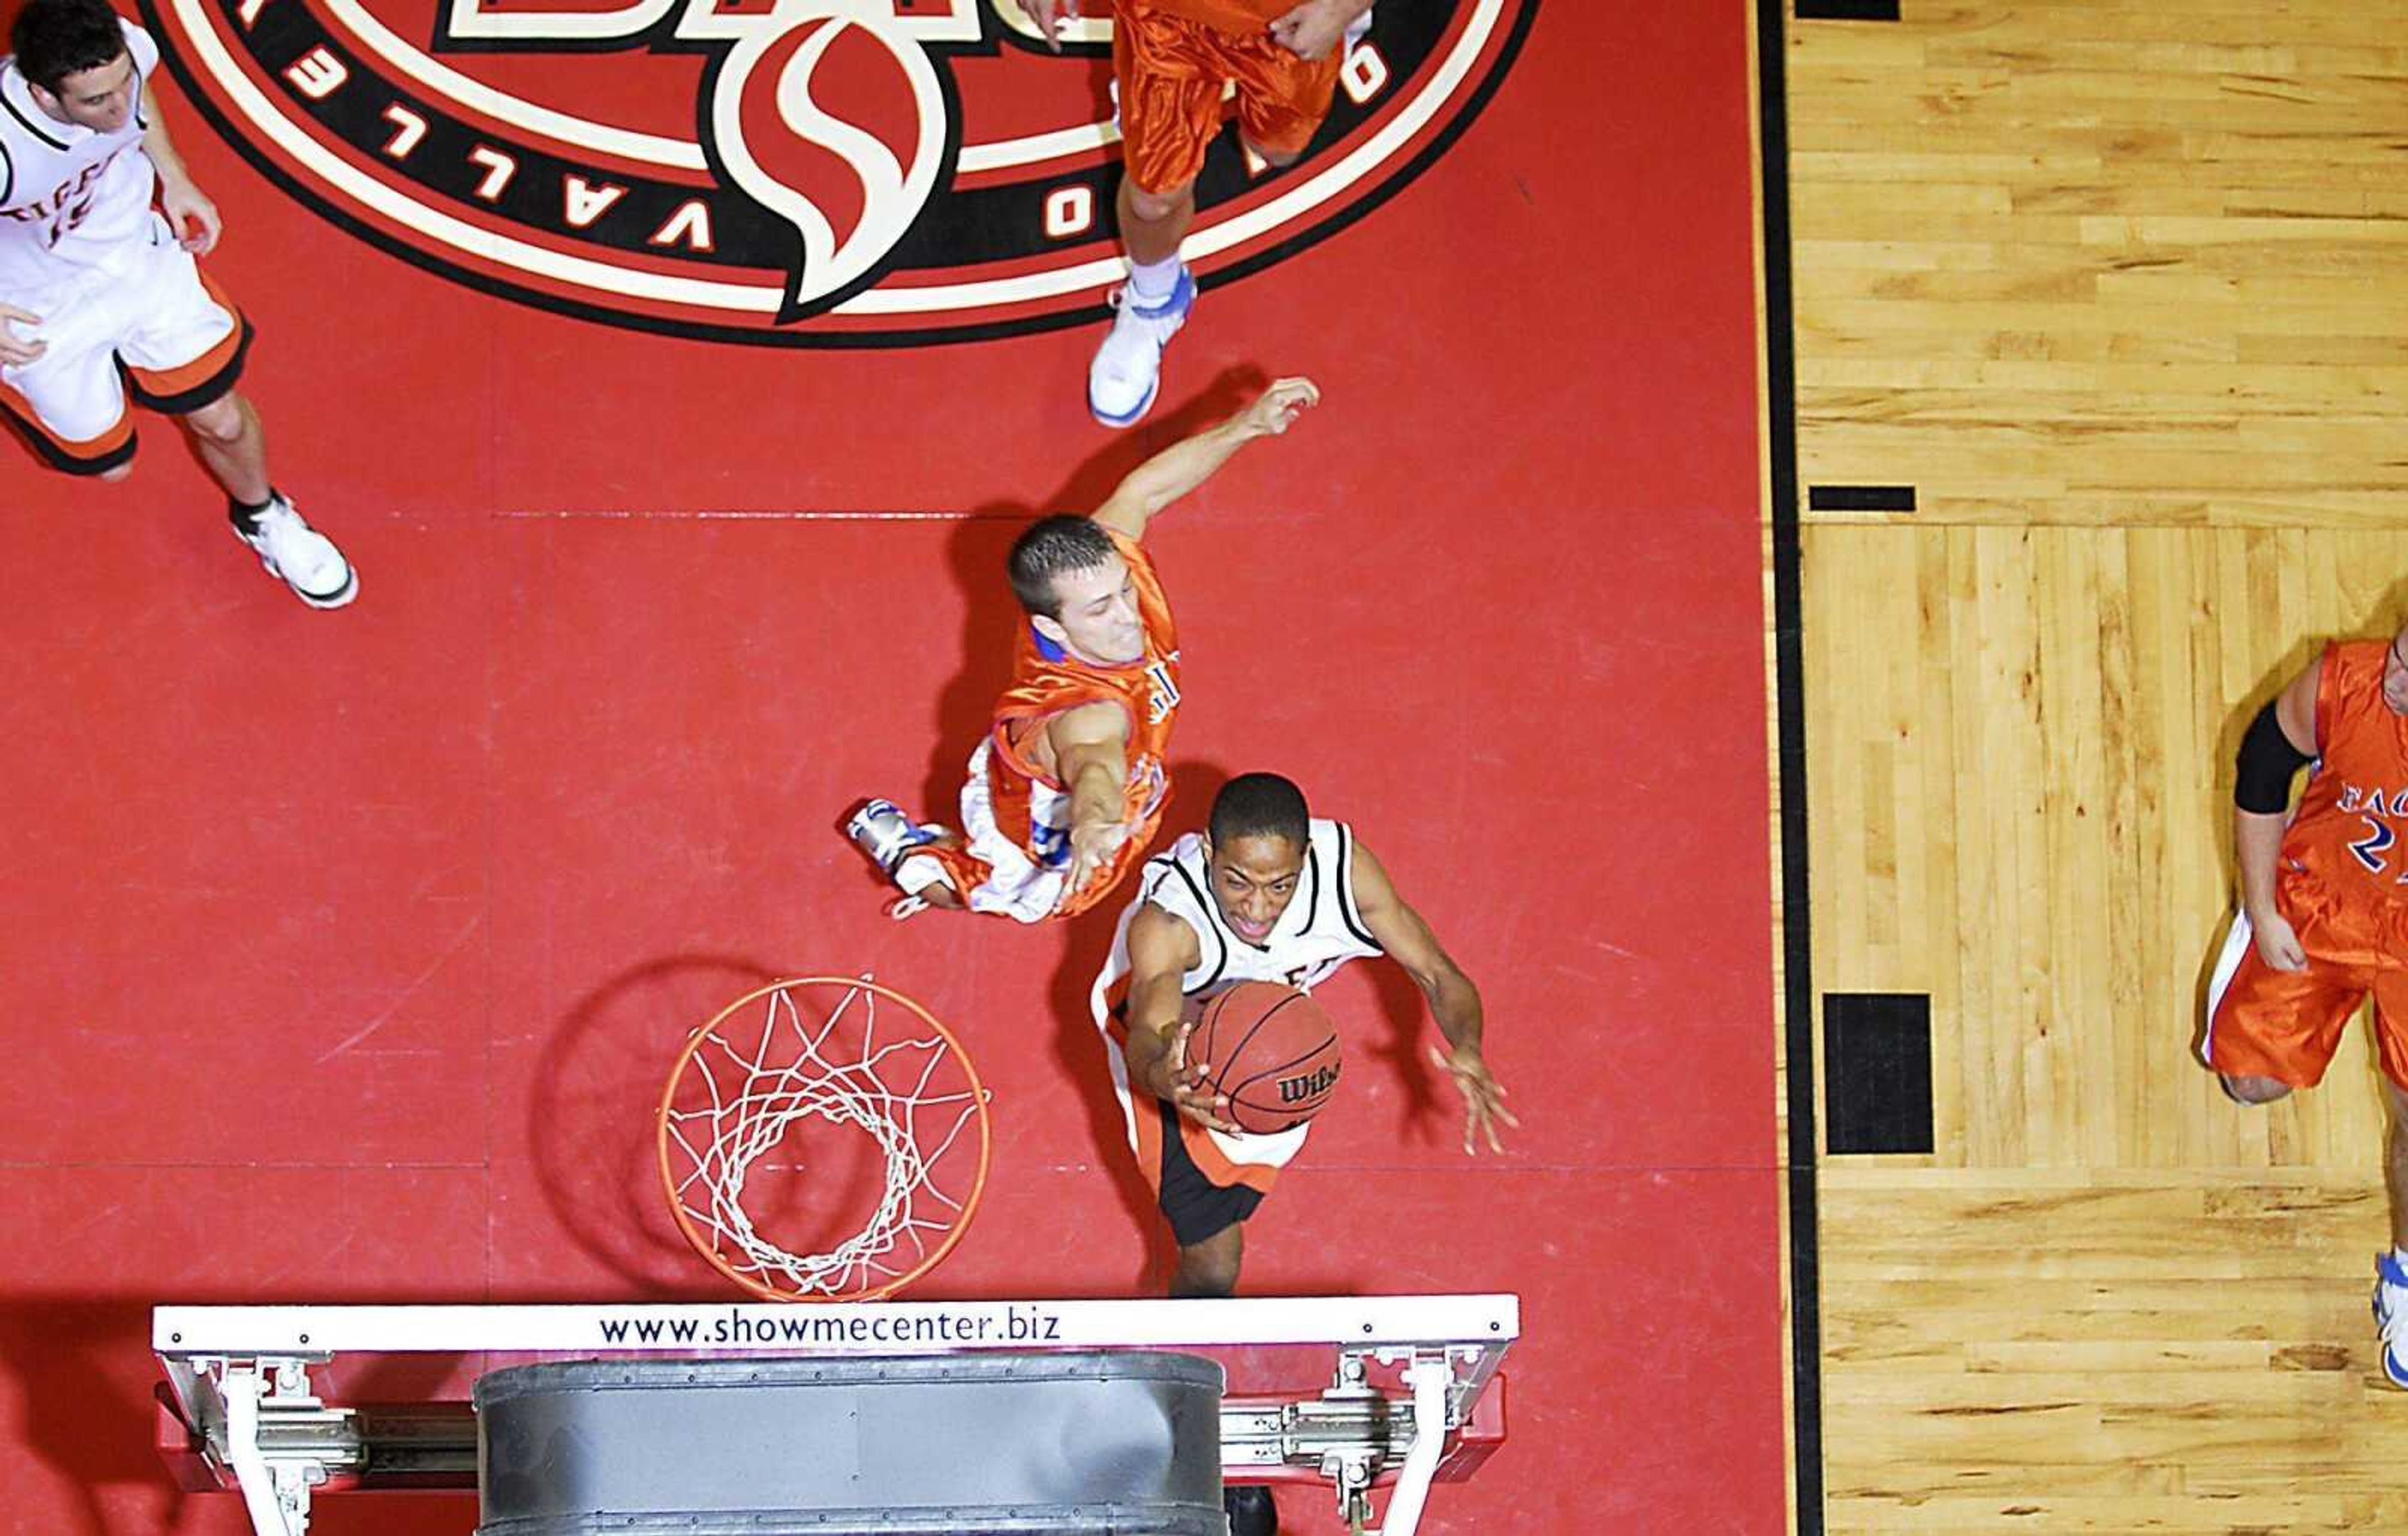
[(975, 558), (1079, 1048), (590, 1130)]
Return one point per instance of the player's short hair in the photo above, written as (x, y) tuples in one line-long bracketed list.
[(55, 38), (1260, 805), (1053, 546)]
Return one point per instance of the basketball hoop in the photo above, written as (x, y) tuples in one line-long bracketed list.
[(783, 1111)]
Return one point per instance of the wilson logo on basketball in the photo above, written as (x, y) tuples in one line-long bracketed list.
[(804, 171), (1295, 1090)]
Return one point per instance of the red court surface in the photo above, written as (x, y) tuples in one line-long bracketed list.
[(345, 951)]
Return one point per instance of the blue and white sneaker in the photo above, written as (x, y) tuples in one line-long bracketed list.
[(1126, 372), (2392, 1317), (880, 829)]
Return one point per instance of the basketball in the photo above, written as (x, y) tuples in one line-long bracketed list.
[(1272, 1049)]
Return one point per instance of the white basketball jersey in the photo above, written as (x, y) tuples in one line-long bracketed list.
[(69, 196), (1319, 932)]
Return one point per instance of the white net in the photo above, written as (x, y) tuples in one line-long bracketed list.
[(753, 1094)]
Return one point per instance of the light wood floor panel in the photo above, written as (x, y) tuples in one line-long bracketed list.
[(2037, 245), (2019, 747), (2105, 1352)]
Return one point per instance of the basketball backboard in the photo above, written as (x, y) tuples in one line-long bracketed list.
[(1413, 1394)]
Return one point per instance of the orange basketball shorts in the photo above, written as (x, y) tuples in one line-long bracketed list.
[(2285, 1025), (1173, 75)]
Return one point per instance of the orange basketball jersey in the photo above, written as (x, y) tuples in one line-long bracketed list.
[(1030, 807), (2347, 830), (1242, 17)]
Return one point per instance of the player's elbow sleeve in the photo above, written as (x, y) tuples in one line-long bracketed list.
[(2266, 765)]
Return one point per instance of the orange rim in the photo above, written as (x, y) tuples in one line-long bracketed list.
[(703, 1243)]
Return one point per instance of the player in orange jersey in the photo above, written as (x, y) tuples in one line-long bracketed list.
[(1067, 789), (2323, 912), (1172, 59)]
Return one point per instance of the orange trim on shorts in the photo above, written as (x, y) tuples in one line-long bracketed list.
[(88, 456), (169, 383), (1214, 1165)]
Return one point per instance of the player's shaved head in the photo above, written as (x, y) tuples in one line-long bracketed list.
[(1053, 546), (1259, 805), (55, 38)]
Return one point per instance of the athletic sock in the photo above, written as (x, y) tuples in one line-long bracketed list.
[(1153, 282), (245, 517)]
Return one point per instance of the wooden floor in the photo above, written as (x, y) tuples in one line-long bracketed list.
[(2120, 287)]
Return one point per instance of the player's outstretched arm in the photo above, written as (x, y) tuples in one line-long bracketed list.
[(191, 214), (2277, 744), (1091, 757), (1454, 1002), (1162, 950), (1181, 468)]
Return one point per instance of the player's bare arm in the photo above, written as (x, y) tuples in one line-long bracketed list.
[(1089, 745), (1182, 467), (189, 214), (1162, 950), (2267, 762), (1316, 26), (1453, 1001)]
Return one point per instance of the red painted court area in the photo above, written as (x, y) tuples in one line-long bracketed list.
[(346, 951)]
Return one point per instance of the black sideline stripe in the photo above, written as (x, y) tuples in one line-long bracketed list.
[(1797, 952), (1847, 10), (1860, 498)]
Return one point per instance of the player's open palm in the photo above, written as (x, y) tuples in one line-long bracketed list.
[(1484, 1098), (2278, 945), (1093, 846)]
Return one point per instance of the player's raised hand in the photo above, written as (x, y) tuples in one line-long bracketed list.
[(2278, 946), (18, 350), (1049, 15), (1313, 28), (1092, 847), (1484, 1097), (1276, 408), (1181, 1084)]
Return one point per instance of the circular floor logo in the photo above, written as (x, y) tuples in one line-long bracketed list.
[(796, 172)]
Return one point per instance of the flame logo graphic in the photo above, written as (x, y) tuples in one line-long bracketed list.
[(835, 123)]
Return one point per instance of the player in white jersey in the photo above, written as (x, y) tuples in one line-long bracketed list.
[(99, 291), (1268, 894)]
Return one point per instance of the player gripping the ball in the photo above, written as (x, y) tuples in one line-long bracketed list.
[(1268, 893)]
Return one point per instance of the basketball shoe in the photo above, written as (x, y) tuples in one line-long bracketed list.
[(880, 829), (298, 555), (2392, 1317), (1126, 372)]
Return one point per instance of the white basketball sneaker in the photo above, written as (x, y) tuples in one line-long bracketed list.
[(299, 556), (1126, 372), (2391, 1317)]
